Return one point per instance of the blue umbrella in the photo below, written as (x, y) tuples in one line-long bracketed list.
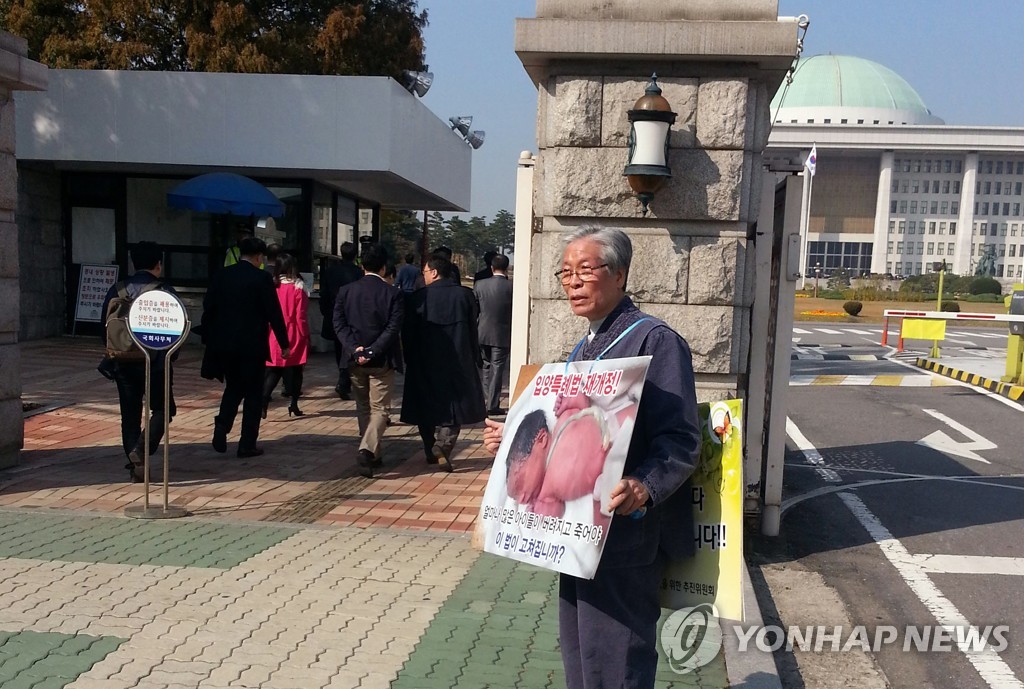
[(225, 192)]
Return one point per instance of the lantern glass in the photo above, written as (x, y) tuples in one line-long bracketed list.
[(649, 148)]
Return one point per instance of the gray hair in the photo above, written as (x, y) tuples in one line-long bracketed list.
[(616, 247)]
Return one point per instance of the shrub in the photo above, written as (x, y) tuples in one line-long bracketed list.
[(853, 307), (985, 285), (830, 294), (983, 298), (951, 306)]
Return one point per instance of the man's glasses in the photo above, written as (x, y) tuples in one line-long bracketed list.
[(585, 273)]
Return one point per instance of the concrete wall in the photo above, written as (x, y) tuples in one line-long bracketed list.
[(41, 247), (16, 72)]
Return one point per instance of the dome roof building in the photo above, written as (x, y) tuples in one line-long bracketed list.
[(840, 89), (896, 191)]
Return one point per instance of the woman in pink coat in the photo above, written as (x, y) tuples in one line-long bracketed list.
[(292, 295)]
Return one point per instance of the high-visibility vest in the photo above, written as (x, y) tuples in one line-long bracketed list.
[(232, 256)]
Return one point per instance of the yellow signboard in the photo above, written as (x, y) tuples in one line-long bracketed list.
[(714, 574), (923, 329)]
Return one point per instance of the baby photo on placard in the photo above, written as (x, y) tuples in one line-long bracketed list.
[(562, 452)]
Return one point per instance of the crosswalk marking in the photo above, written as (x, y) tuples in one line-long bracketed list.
[(828, 332), (801, 331), (907, 381), (859, 332)]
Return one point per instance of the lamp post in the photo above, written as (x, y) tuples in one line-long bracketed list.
[(817, 274), (940, 268), (650, 121)]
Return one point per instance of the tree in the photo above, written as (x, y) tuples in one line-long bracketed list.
[(502, 231), (400, 233), (367, 37)]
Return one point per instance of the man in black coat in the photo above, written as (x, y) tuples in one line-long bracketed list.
[(368, 321), (130, 374), (442, 356), (239, 310), (334, 278), (495, 330)]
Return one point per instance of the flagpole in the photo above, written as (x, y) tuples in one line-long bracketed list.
[(805, 211)]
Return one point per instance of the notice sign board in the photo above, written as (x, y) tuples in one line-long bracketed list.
[(157, 319), (562, 452), (93, 284), (713, 574)]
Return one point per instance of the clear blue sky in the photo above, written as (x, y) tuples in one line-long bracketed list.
[(963, 58)]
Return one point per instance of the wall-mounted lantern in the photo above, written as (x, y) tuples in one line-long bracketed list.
[(651, 120)]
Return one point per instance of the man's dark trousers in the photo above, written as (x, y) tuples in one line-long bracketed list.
[(495, 370), (131, 395), (243, 383)]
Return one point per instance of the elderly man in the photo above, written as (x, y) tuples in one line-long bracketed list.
[(608, 624)]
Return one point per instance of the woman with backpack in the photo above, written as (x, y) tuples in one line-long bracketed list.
[(292, 295)]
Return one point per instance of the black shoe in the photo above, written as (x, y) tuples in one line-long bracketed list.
[(497, 411), (220, 439), (343, 394), (366, 462), (293, 408), (249, 452), (135, 472)]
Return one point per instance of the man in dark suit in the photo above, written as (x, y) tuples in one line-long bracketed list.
[(442, 378), (367, 321), (239, 310), (335, 277), (495, 330)]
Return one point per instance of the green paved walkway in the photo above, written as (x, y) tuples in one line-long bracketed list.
[(133, 541), (498, 630), (48, 660)]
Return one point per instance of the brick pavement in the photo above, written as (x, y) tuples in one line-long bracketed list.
[(294, 571)]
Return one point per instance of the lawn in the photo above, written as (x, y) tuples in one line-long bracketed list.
[(872, 311)]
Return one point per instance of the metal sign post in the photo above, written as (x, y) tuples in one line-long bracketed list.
[(157, 322)]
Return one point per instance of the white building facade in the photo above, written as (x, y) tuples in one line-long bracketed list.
[(895, 189)]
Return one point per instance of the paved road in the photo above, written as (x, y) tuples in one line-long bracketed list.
[(908, 501)]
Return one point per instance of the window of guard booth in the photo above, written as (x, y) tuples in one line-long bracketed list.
[(365, 223), (327, 240), (195, 243)]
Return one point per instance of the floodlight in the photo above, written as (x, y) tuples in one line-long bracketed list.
[(417, 82), (475, 138), (461, 124)]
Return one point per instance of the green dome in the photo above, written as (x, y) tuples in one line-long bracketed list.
[(841, 87)]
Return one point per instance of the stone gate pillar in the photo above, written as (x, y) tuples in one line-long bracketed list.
[(16, 73), (718, 62)]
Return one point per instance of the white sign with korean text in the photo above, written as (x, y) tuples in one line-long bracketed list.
[(157, 319), (562, 452), (93, 284)]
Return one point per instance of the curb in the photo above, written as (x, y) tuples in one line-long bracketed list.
[(754, 668), (1007, 390)]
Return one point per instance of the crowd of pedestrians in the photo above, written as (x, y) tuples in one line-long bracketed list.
[(451, 343)]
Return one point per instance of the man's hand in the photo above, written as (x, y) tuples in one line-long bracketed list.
[(628, 496), (493, 430), (286, 352), (361, 360)]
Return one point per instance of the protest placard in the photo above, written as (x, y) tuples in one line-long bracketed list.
[(562, 452), (93, 284), (713, 574)]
